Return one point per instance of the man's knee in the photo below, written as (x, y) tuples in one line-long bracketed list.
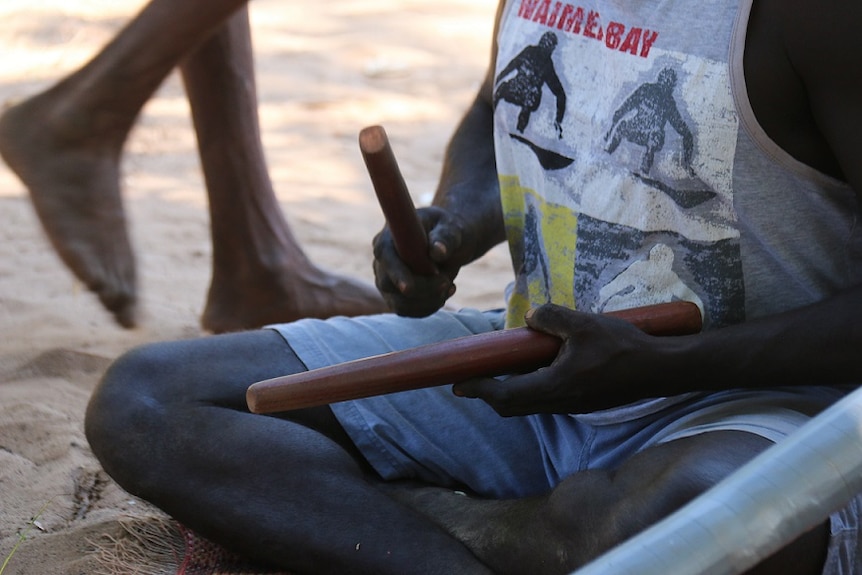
[(125, 414)]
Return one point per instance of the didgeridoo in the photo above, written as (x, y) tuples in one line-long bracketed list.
[(490, 354)]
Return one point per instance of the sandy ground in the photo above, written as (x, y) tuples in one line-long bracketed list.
[(325, 70)]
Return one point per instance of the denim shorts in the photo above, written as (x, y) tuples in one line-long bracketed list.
[(433, 436)]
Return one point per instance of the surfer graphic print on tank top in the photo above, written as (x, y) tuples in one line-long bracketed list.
[(615, 148)]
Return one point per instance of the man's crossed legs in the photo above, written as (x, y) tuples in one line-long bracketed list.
[(170, 424)]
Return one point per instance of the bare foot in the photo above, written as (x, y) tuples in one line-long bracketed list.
[(73, 179), (510, 536), (286, 295)]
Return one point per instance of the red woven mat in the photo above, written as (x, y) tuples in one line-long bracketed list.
[(203, 557), (158, 545)]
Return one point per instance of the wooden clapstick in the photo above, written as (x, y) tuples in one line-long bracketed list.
[(410, 238), (495, 353)]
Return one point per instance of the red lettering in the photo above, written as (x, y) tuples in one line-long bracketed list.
[(541, 15), (552, 17), (632, 41), (571, 19), (649, 39), (614, 35), (568, 18), (527, 8), (593, 29)]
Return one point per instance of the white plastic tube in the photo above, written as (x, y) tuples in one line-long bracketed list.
[(777, 496)]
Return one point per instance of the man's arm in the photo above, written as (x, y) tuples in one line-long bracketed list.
[(604, 363), (464, 221), (468, 186), (820, 343), (823, 47)]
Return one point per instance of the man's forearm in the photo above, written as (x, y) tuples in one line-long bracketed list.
[(468, 184), (820, 344)]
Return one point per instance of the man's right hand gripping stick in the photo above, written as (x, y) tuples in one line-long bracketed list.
[(516, 350)]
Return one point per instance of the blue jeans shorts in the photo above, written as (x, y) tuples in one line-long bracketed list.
[(433, 436)]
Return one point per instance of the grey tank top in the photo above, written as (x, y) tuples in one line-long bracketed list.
[(633, 170)]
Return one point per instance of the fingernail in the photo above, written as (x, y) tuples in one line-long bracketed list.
[(529, 313)]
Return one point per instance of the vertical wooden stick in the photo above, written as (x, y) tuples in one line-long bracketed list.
[(411, 240)]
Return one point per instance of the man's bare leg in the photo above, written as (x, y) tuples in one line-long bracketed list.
[(169, 423), (65, 143), (593, 511), (260, 273)]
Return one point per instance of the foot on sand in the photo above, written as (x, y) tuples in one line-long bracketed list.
[(73, 180), (236, 302)]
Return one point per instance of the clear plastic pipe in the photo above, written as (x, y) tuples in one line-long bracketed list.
[(777, 496)]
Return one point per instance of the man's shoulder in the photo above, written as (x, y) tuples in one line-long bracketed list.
[(799, 55), (816, 32)]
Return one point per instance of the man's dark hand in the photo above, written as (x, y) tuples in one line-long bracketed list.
[(413, 295), (603, 362)]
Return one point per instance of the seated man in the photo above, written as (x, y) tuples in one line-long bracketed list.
[(748, 205)]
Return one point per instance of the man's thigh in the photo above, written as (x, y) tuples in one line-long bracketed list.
[(214, 370), (181, 376)]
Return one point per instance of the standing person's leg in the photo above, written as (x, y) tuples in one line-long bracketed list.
[(169, 423), (66, 143), (260, 273)]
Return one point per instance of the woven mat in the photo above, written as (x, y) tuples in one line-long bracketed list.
[(159, 545), (203, 557)]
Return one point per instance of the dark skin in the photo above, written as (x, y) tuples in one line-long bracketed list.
[(66, 144), (170, 425)]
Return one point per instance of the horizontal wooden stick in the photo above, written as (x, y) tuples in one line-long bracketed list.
[(490, 354)]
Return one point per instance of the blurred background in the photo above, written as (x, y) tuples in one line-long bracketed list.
[(325, 70)]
